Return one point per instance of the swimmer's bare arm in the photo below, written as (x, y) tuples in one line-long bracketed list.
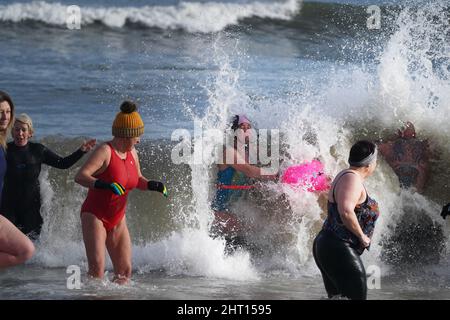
[(252, 171), (348, 195), (96, 164)]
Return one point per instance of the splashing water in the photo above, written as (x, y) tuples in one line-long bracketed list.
[(317, 119)]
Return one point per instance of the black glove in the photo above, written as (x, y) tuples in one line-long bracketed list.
[(115, 187), (157, 186), (445, 210)]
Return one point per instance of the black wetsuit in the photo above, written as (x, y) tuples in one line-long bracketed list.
[(342, 270), (21, 199)]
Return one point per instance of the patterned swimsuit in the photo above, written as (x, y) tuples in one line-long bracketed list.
[(367, 214)]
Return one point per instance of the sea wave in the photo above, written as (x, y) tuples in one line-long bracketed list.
[(193, 17)]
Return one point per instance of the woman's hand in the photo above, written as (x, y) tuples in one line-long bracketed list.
[(88, 145), (365, 241), (157, 186), (115, 187)]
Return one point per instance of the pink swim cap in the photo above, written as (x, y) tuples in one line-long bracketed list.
[(308, 174), (243, 119)]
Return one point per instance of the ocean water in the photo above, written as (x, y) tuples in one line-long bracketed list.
[(311, 69)]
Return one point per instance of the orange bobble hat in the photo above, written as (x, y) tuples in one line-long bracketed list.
[(128, 123)]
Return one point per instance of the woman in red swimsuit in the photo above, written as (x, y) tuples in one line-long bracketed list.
[(111, 173)]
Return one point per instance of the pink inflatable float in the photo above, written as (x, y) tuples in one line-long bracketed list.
[(308, 174)]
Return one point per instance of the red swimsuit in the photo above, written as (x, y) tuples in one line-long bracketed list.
[(104, 204)]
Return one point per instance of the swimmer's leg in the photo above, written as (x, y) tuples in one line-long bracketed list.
[(330, 287), (32, 225), (342, 266), (15, 247), (226, 224), (118, 242), (350, 275), (94, 236), (29, 219), (343, 269), (232, 243)]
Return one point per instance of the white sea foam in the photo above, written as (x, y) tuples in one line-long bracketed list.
[(188, 16)]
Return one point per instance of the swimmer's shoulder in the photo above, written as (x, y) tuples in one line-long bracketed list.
[(102, 150)]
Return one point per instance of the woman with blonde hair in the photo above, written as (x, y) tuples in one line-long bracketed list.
[(15, 247), (21, 200)]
